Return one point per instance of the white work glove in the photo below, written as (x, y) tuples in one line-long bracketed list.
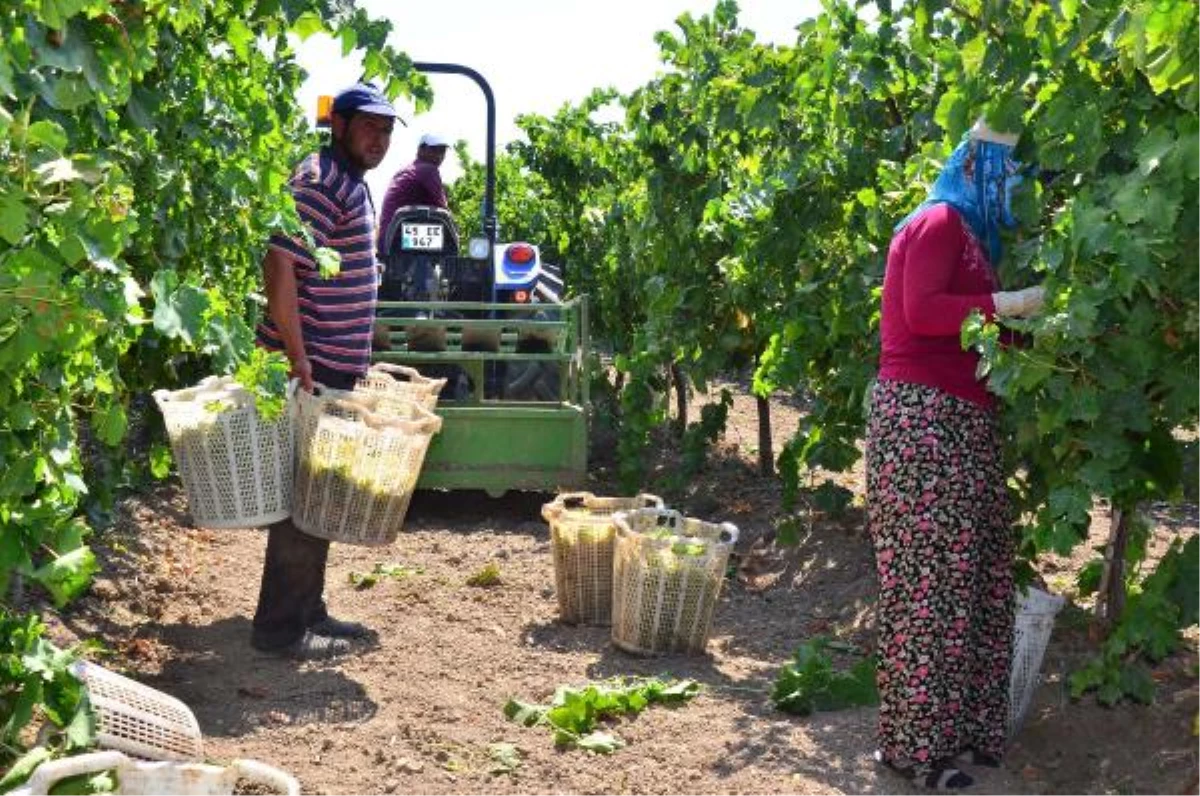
[(1020, 303)]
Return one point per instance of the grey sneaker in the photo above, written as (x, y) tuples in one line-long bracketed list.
[(336, 628)]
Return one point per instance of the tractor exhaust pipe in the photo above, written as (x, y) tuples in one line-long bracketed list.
[(489, 188)]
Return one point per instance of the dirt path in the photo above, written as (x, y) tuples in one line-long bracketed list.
[(416, 711)]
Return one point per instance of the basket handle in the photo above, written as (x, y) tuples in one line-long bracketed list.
[(364, 413), (263, 774), (401, 372), (319, 389), (209, 388), (664, 518), (50, 773), (426, 423), (727, 536), (576, 500), (565, 502), (652, 501), (668, 519), (429, 423)]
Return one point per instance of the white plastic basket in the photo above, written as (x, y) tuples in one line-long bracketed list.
[(397, 382), (235, 466), (356, 469), (582, 534), (137, 719), (667, 575), (140, 777), (1034, 622)]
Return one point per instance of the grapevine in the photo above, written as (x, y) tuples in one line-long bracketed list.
[(144, 155), (753, 189)]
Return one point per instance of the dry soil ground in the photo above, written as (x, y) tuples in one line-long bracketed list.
[(416, 710)]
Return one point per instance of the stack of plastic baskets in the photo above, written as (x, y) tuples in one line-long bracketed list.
[(356, 469), (152, 744), (137, 719), (667, 576), (138, 777), (581, 536), (236, 466), (1034, 623), (397, 383)]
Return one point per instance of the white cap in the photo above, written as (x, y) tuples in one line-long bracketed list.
[(981, 132), (434, 139)]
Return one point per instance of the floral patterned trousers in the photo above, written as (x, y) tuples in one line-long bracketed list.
[(939, 519)]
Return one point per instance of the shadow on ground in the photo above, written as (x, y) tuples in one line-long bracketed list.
[(266, 689)]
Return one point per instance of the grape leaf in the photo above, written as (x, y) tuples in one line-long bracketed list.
[(178, 309), (14, 218), (160, 460), (329, 262), (110, 423), (25, 765), (47, 133), (68, 575)]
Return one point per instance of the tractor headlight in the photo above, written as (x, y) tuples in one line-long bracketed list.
[(477, 249)]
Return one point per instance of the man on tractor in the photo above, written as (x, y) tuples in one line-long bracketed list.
[(322, 322), (418, 183)]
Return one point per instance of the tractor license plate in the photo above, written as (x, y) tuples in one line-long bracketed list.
[(421, 237)]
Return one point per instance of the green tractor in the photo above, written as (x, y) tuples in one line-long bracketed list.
[(493, 322)]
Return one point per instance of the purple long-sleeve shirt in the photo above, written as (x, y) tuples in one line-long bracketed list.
[(418, 183)]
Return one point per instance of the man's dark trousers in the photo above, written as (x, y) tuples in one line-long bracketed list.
[(293, 581)]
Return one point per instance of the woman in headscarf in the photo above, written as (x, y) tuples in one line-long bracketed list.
[(937, 507)]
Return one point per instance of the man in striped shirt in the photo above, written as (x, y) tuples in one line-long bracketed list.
[(320, 315)]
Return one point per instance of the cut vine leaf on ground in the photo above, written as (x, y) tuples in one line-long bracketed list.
[(488, 576), (506, 758), (394, 571), (810, 683), (574, 713)]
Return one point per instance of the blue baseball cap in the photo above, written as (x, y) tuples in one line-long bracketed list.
[(363, 98)]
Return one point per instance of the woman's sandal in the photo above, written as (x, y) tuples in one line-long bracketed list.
[(974, 757), (947, 777), (944, 775)]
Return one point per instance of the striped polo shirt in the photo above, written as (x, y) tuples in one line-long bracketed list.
[(336, 315)]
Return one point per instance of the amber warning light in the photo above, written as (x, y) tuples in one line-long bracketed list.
[(324, 110)]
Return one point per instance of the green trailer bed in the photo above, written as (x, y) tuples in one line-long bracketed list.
[(489, 440)]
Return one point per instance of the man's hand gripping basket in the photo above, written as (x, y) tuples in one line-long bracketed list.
[(582, 535), (667, 576), (236, 466), (356, 469)]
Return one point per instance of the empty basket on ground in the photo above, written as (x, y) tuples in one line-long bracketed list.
[(236, 466), (397, 382), (137, 719), (581, 536), (1034, 622), (140, 777), (667, 575), (356, 469)]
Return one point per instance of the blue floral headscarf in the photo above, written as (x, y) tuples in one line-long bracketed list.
[(977, 181)]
